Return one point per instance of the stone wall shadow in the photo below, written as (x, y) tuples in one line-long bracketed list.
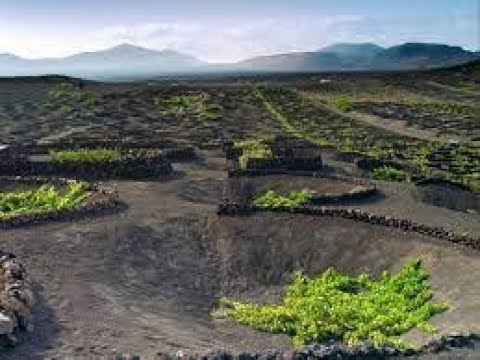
[(33, 344)]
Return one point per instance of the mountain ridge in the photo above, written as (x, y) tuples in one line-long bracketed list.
[(127, 60), (353, 49), (114, 61), (408, 56)]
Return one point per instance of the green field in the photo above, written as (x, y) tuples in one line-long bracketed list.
[(44, 198)]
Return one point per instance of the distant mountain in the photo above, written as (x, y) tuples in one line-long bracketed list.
[(364, 57), (120, 61), (9, 57), (353, 56), (10, 60), (126, 54), (422, 55), (299, 61), (367, 50), (133, 62)]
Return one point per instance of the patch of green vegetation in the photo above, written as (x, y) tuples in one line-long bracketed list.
[(196, 105), (61, 91), (350, 309), (368, 91), (449, 108), (209, 114), (389, 173), (64, 110), (427, 114), (343, 102), (253, 149), (272, 200), (67, 100), (44, 198), (181, 103), (86, 155), (286, 124), (312, 121)]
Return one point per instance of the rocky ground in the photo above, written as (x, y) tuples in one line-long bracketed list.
[(145, 280)]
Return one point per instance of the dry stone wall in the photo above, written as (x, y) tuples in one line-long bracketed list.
[(134, 164), (330, 350), (233, 209), (285, 163), (361, 188), (101, 201), (16, 299)]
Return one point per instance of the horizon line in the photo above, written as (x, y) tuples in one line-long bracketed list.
[(132, 44)]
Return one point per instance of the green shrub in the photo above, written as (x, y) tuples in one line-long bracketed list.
[(253, 148), (86, 155), (271, 200), (389, 173), (181, 103), (208, 115), (62, 91), (343, 102), (42, 199), (350, 309)]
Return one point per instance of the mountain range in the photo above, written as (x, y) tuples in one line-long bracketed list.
[(122, 60), (365, 57), (130, 61)]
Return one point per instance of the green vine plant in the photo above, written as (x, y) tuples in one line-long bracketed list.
[(44, 198), (272, 200), (85, 155), (343, 103), (389, 173), (253, 149), (348, 309)]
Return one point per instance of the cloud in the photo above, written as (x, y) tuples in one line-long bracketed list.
[(228, 41)]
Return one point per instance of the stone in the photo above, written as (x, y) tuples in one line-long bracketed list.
[(12, 303), (7, 324), (26, 296), (14, 270)]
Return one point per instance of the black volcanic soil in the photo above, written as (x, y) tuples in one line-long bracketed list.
[(145, 280), (283, 184), (126, 112)]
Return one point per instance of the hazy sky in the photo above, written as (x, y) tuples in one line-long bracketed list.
[(218, 31)]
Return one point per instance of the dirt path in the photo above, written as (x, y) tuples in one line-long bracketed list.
[(395, 126), (145, 280), (400, 127), (64, 133), (454, 89)]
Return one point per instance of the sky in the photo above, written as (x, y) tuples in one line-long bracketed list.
[(230, 30)]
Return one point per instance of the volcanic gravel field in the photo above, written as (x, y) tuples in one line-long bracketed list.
[(145, 280)]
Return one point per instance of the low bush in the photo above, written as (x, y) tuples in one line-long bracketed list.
[(41, 199), (208, 115), (271, 200), (85, 155), (389, 173), (253, 149), (350, 309), (343, 102), (181, 103)]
